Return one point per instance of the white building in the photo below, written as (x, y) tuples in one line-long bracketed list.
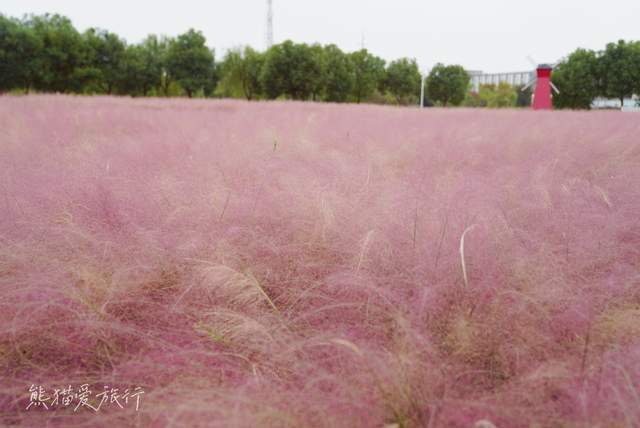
[(630, 104), (521, 78), (514, 78)]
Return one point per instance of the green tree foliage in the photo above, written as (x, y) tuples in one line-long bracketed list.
[(9, 62), (61, 54), (231, 75), (577, 78), (190, 62), (472, 99), (239, 73), (46, 53), (369, 73), (486, 93), (166, 81), (212, 80), (274, 75), (492, 96), (481, 98), (317, 70), (131, 80), (252, 62), (141, 70), (447, 84), (20, 51), (504, 96), (620, 70), (291, 70), (338, 75), (151, 53), (636, 61), (403, 80), (105, 57)]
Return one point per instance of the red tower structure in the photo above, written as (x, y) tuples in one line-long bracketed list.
[(542, 94)]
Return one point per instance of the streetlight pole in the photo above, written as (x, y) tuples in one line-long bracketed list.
[(424, 77)]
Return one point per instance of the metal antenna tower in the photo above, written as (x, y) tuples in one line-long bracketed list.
[(269, 23)]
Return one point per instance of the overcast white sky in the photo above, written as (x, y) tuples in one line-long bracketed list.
[(489, 35)]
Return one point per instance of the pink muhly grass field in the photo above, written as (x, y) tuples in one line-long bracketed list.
[(300, 265)]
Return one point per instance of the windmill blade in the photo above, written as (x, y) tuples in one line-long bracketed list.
[(532, 61), (528, 85), (554, 87)]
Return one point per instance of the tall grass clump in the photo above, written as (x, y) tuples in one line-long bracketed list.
[(306, 265)]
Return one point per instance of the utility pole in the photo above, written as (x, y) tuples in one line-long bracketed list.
[(269, 23)]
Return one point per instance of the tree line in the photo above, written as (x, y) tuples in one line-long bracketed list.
[(47, 54), (582, 76), (586, 74), (300, 71)]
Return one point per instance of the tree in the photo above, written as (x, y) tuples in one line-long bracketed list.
[(105, 58), (141, 71), (316, 69), (486, 94), (151, 53), (253, 62), (403, 79), (482, 98), (166, 80), (368, 74), (212, 80), (636, 56), (577, 78), (504, 96), (489, 95), (61, 53), (338, 75), (619, 70), (472, 99), (240, 73), (230, 73), (275, 70), (20, 51), (292, 70), (190, 62), (9, 66), (447, 84)]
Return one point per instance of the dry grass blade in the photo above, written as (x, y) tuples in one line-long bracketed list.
[(349, 345), (264, 294), (364, 249), (462, 262), (604, 196)]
